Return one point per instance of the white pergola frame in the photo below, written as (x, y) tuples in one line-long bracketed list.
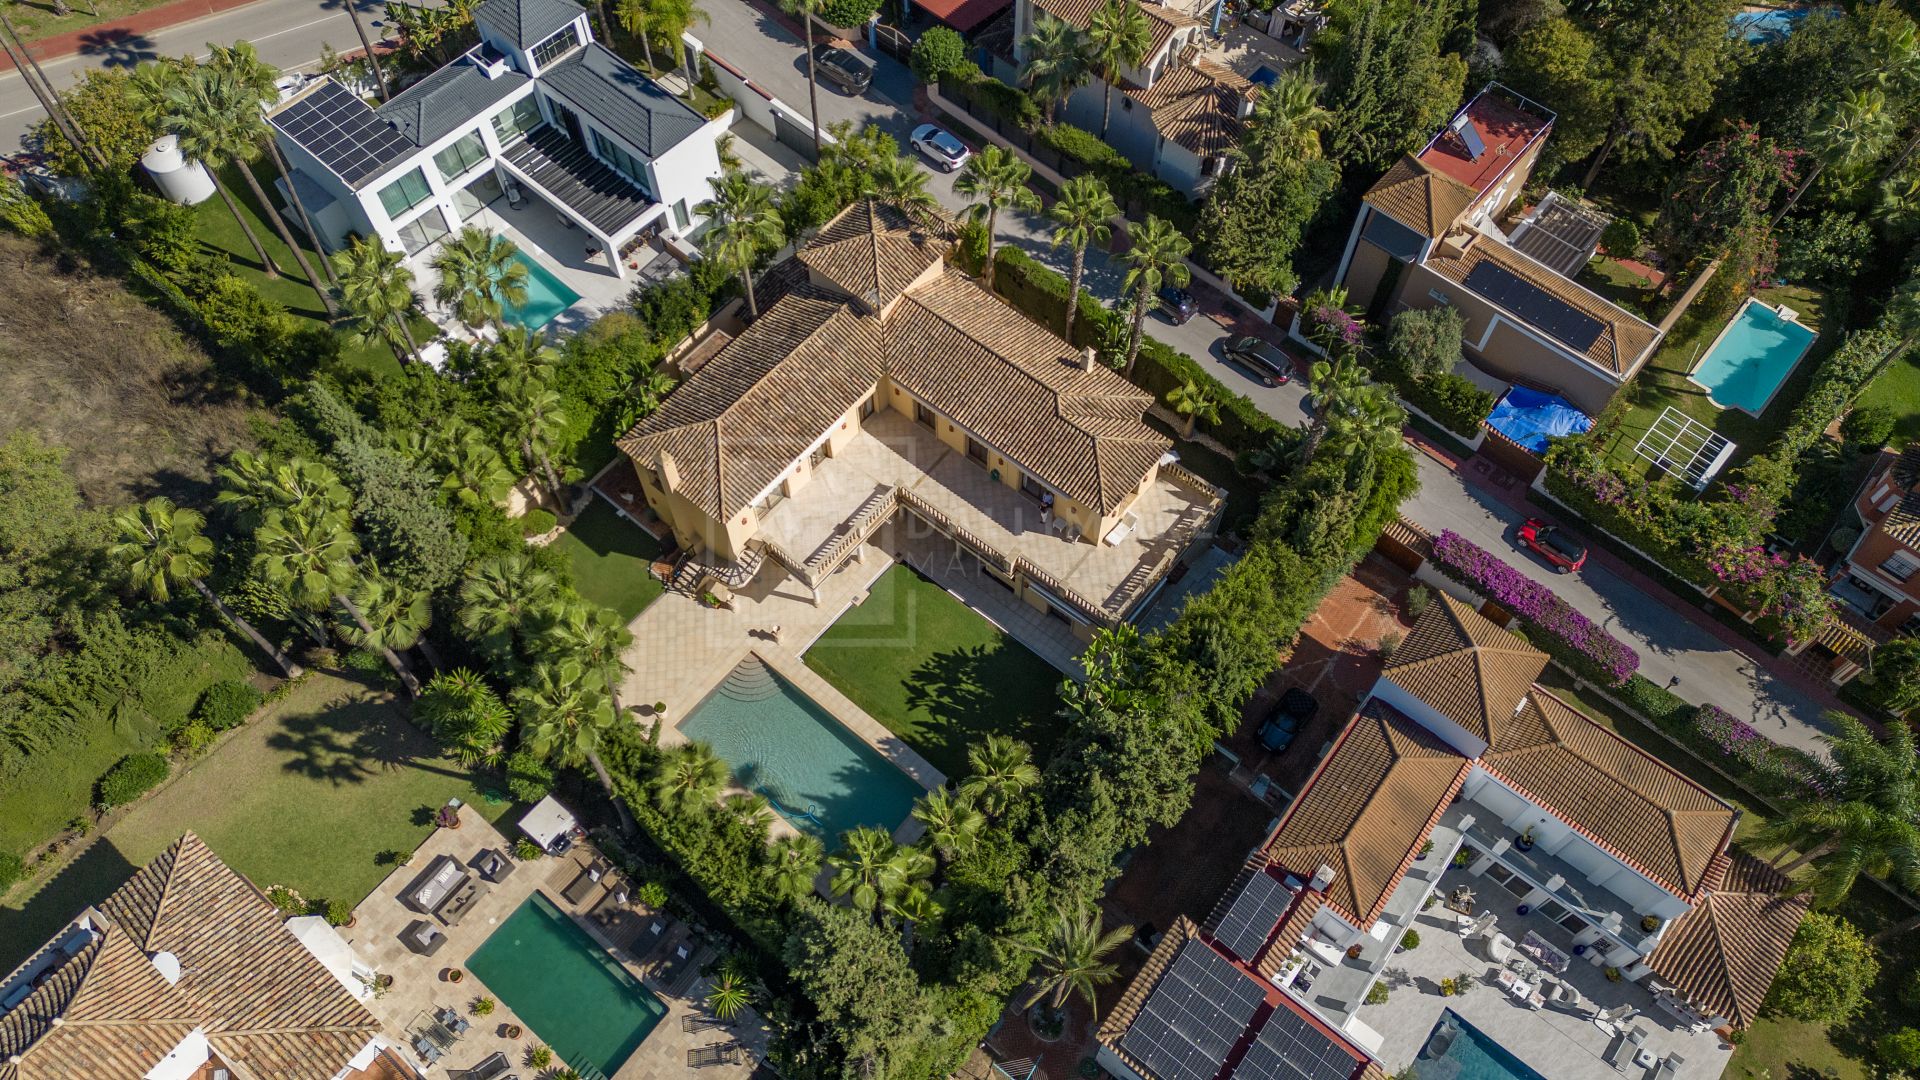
[(1680, 444)]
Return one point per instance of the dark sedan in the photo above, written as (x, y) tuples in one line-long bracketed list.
[(1264, 360), (1178, 305)]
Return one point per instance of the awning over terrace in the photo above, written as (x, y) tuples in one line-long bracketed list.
[(565, 173)]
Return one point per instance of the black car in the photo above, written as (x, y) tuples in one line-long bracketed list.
[(1177, 304), (1266, 361), (844, 68), (1295, 710)]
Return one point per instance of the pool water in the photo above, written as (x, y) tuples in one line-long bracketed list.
[(1770, 25), (547, 296), (1456, 1050), (782, 744), (1752, 357), (572, 995)]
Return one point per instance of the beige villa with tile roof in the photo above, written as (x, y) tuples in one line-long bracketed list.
[(889, 382)]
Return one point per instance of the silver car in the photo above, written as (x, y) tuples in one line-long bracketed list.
[(946, 152)]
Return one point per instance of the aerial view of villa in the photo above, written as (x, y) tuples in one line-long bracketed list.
[(959, 540)]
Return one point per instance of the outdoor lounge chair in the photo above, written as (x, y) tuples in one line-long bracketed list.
[(1620, 1053), (489, 1068), (581, 887), (1669, 1067), (725, 1053), (697, 1022)]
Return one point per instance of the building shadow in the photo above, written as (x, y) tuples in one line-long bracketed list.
[(86, 880)]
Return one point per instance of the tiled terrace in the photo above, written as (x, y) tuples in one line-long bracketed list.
[(1247, 50), (419, 987)]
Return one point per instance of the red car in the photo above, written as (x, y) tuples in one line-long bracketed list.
[(1553, 544)]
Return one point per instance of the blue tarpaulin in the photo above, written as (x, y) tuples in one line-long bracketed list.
[(1530, 418)]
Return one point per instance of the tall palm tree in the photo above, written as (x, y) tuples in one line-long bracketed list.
[(596, 637), (253, 485), (1288, 120), (396, 616), (901, 183), (366, 46), (672, 18), (1158, 255), (865, 869), (202, 112), (953, 824), (466, 715), (308, 554), (475, 472), (915, 905), (376, 290), (1855, 128), (519, 351), (1002, 768), (792, 864), (161, 546), (1073, 961), (1193, 403), (1080, 218), (480, 277), (504, 597), (1056, 62), (533, 411), (1332, 386), (1868, 819), (633, 17), (994, 178), (746, 226), (806, 10), (1118, 38), (688, 778), (563, 717)]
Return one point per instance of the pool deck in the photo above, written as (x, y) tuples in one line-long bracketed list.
[(420, 988)]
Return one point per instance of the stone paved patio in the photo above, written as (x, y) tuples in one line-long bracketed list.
[(420, 987)]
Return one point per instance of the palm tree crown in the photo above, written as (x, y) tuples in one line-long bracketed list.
[(162, 546), (1002, 768), (1056, 62), (994, 178), (688, 778), (1073, 961), (376, 289), (1118, 39), (1158, 255), (746, 227), (480, 277), (1866, 821), (1080, 218)]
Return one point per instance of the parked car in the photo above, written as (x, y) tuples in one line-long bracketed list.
[(1178, 305), (946, 152), (844, 68), (1295, 710), (1554, 545), (1266, 361)]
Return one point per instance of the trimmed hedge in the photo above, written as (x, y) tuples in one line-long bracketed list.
[(226, 704), (1452, 400), (131, 777)]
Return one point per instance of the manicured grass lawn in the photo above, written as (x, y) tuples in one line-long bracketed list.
[(308, 796), (609, 557), (1898, 388), (1617, 283), (937, 674)]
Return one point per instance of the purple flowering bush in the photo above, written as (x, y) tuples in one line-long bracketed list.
[(1735, 737), (1781, 768), (1468, 562)]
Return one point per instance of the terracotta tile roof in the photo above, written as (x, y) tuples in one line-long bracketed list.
[(1724, 953), (1637, 808), (1903, 521), (1197, 106), (1162, 20), (266, 1005), (1420, 198), (1469, 670), (1367, 807), (1906, 468), (871, 252), (1624, 338)]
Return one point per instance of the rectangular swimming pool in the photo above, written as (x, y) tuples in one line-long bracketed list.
[(1756, 352), (574, 996), (547, 296), (1456, 1050), (782, 744)]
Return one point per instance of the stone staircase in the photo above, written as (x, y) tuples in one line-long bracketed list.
[(751, 680)]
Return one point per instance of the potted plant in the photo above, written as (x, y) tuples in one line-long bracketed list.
[(1462, 858), (1408, 940), (447, 817), (1525, 840), (1446, 988), (1612, 974), (482, 1006), (1427, 904), (659, 708), (1523, 909), (1649, 923), (1426, 848), (540, 1057), (511, 1031), (1377, 994), (453, 975), (1353, 953)]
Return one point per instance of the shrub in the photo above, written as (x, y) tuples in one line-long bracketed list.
[(191, 738), (1596, 650), (285, 900), (1418, 598), (538, 522), (1410, 939), (1827, 973), (482, 1006), (1452, 400), (1622, 238), (131, 777), (526, 850), (226, 704), (1900, 1050), (529, 778), (1869, 427), (1421, 342), (540, 1057), (652, 894), (12, 870), (938, 51), (848, 13), (338, 912), (1377, 994)]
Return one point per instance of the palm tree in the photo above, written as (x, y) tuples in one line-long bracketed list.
[(396, 616), (727, 995), (1902, 316), (900, 182), (563, 718), (994, 178), (1287, 119), (376, 289), (1854, 128), (202, 112), (503, 597), (480, 277), (1332, 385), (688, 778), (1371, 422), (1193, 403), (1056, 62), (476, 473), (308, 554), (1868, 819), (1158, 255), (1080, 218), (254, 485), (645, 397), (806, 9), (1073, 961), (466, 715), (953, 824), (596, 637), (519, 351), (633, 16), (865, 869), (746, 226), (672, 18), (1003, 768), (533, 410), (792, 864), (161, 546), (366, 46), (1118, 38), (915, 905)]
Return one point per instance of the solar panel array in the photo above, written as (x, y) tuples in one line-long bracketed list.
[(1559, 319), (1291, 1048), (1255, 911), (343, 132), (1199, 1009)]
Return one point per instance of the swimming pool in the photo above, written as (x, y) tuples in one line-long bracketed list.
[(547, 296), (1456, 1050), (1765, 26), (573, 995), (782, 744), (1752, 356)]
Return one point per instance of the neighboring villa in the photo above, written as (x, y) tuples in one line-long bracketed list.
[(187, 972), (1181, 112), (1880, 580), (1460, 763), (885, 381), (537, 108), (1428, 235)]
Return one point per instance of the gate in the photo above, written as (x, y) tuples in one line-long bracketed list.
[(794, 133)]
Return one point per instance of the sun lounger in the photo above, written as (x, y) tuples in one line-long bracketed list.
[(581, 887), (701, 1057), (490, 1068), (1620, 1053), (1669, 1067), (697, 1022)]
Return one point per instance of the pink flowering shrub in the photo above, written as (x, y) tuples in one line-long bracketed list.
[(1783, 769), (1468, 562), (1330, 325), (1735, 737)]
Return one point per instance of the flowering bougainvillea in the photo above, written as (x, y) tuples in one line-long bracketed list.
[(1743, 564), (1331, 324), (1735, 737), (1535, 603)]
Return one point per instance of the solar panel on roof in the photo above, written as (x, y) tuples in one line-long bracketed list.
[(1463, 127), (1559, 319), (1288, 1047), (1195, 1014), (1250, 919), (343, 132)]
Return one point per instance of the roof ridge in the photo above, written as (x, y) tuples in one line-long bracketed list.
[(1595, 725), (178, 849)]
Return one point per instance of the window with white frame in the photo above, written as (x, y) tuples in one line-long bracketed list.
[(562, 42), (466, 152), (623, 163), (520, 116), (1900, 565), (405, 193)]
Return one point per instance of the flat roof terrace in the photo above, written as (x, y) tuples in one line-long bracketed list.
[(1503, 125)]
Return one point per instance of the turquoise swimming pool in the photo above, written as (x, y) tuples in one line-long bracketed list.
[(1456, 1050), (1752, 357), (547, 296), (574, 996), (782, 744)]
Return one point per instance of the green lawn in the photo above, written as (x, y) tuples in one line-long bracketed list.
[(1618, 284), (1898, 388), (609, 556), (937, 674), (308, 796)]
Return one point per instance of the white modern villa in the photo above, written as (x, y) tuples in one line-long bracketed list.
[(538, 110)]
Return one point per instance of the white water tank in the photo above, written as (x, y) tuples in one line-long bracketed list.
[(185, 182)]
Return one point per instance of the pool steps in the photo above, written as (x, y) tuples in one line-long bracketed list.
[(751, 680)]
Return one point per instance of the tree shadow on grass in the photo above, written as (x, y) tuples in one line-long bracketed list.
[(86, 880), (352, 742), (975, 690)]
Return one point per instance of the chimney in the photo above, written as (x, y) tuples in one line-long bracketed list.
[(1322, 878), (1088, 357), (669, 472)]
